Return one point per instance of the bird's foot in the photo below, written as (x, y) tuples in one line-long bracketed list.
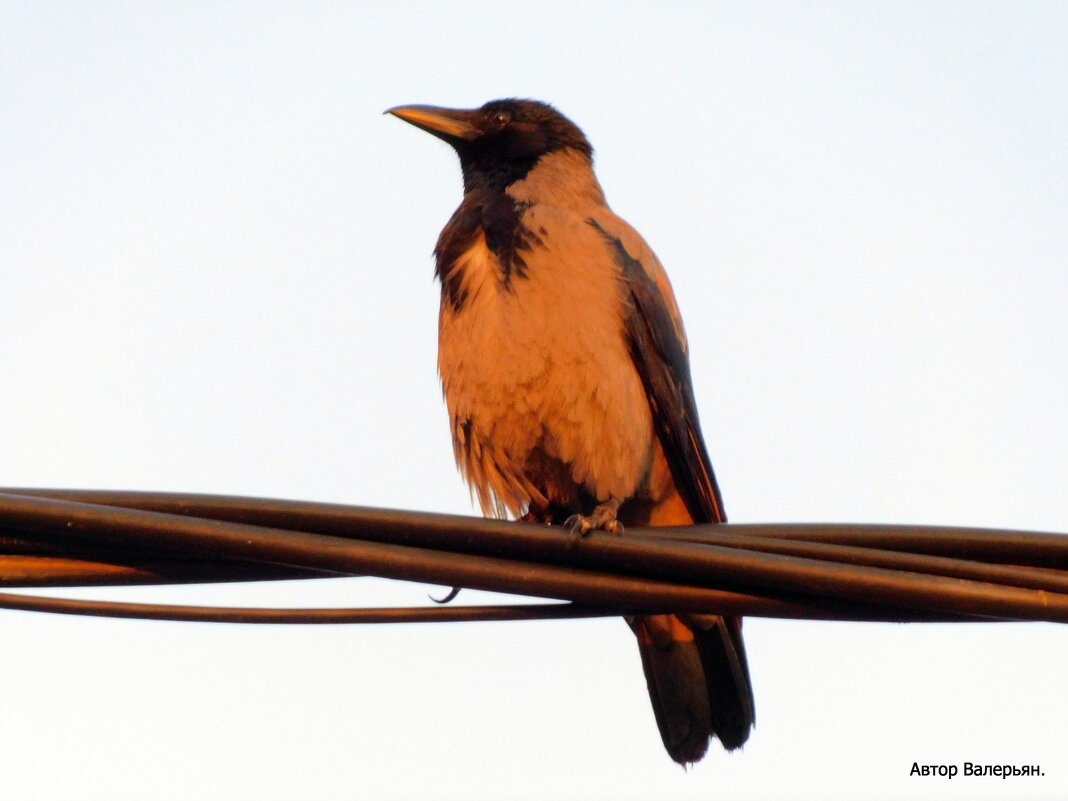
[(603, 519)]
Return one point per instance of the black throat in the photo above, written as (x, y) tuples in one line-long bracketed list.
[(485, 170)]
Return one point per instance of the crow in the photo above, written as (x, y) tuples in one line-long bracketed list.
[(566, 375)]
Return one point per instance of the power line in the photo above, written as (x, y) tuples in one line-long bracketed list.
[(844, 572)]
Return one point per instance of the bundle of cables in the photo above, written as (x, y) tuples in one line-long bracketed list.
[(52, 538)]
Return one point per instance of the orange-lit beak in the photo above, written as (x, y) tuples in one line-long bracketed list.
[(450, 124)]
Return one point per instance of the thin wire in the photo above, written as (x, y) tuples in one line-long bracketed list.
[(220, 614)]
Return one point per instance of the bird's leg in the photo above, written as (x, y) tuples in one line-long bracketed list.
[(603, 518)]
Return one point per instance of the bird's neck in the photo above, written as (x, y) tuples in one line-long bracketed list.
[(490, 220), (563, 178)]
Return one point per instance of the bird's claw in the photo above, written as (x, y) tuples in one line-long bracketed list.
[(602, 519), (578, 526)]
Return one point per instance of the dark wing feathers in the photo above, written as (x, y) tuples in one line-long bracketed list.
[(662, 362), (658, 349)]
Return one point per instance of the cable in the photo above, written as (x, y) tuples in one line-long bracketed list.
[(217, 614)]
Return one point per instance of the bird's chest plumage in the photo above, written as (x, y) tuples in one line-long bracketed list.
[(544, 399)]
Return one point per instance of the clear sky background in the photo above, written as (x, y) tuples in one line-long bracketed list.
[(215, 276)]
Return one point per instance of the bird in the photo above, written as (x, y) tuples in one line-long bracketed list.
[(565, 370)]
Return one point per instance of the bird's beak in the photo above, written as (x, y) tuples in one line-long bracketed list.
[(450, 124)]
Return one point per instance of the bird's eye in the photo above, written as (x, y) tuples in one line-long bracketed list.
[(501, 118)]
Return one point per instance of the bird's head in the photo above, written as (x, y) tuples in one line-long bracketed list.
[(500, 142)]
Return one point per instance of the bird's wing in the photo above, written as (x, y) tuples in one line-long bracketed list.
[(669, 644), (658, 347)]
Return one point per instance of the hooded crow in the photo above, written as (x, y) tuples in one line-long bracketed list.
[(567, 380)]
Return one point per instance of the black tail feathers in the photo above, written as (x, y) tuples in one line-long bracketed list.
[(698, 681)]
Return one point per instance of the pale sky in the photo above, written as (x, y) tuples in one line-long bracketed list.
[(216, 268)]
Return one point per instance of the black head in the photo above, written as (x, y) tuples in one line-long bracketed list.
[(500, 142)]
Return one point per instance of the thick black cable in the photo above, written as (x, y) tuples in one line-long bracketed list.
[(1006, 547)]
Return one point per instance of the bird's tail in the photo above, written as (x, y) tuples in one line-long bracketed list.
[(698, 680)]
